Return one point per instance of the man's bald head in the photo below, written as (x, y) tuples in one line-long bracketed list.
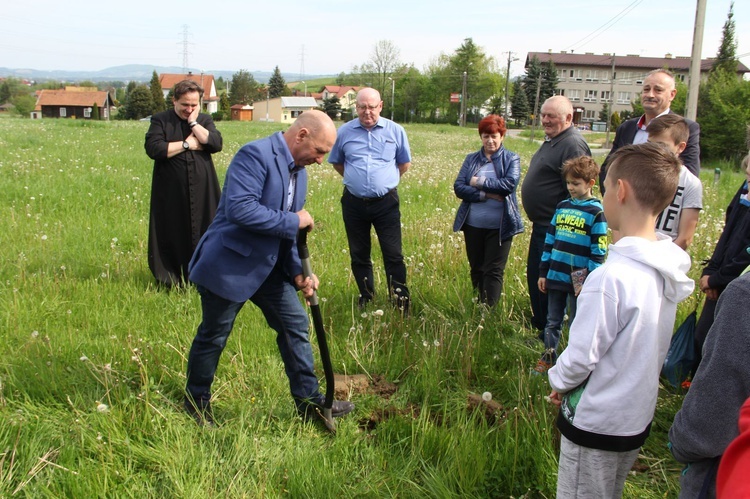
[(310, 137)]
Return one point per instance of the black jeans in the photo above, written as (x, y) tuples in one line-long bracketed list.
[(487, 259), (385, 216), (538, 299)]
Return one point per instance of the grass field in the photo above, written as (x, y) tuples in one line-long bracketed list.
[(94, 353)]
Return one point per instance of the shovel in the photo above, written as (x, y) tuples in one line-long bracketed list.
[(320, 333)]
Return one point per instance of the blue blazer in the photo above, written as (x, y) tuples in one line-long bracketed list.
[(252, 230)]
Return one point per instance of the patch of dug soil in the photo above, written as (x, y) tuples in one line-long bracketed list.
[(491, 410), (345, 386), (386, 413)]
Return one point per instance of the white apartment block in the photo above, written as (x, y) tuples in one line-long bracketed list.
[(589, 80)]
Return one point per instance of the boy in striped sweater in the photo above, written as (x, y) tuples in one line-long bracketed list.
[(575, 245)]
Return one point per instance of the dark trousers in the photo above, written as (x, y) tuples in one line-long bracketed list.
[(487, 259), (538, 299), (284, 313), (360, 215), (705, 321)]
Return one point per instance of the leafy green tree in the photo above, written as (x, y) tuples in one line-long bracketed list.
[(383, 63), (5, 93), (519, 104), (244, 89), (726, 57), (637, 106), (224, 105), (412, 87), (220, 84), (549, 81), (615, 121), (157, 94), (531, 80), (680, 99), (95, 112), (24, 104), (332, 107), (139, 104), (496, 105), (604, 113), (724, 102), (87, 83), (724, 113), (276, 84)]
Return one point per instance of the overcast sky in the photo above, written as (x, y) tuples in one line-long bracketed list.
[(312, 38)]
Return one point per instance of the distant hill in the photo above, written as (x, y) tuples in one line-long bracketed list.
[(131, 72)]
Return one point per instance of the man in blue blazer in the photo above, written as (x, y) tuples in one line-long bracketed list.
[(658, 92), (249, 253)]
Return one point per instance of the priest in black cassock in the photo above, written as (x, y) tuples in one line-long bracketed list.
[(185, 189)]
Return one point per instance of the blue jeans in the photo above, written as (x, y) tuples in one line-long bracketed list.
[(277, 298), (360, 216), (537, 298), (556, 303)]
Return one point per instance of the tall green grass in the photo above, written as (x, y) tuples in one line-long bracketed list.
[(93, 356)]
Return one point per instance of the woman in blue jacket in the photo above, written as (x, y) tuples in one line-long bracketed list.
[(489, 215)]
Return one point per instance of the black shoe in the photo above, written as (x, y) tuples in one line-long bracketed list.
[(363, 301), (312, 412), (201, 413)]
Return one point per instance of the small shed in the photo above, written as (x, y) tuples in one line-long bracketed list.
[(242, 112)]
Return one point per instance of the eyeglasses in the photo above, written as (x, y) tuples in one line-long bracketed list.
[(365, 107)]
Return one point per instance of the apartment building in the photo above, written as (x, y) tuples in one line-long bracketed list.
[(590, 80)]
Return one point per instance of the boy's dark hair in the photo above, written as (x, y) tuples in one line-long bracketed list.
[(672, 124), (582, 167), (651, 170), (186, 86)]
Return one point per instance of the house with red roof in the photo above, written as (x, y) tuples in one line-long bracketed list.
[(210, 103), (72, 102)]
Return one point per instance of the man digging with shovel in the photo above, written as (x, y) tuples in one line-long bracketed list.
[(249, 253)]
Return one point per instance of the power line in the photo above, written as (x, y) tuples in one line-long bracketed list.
[(604, 27)]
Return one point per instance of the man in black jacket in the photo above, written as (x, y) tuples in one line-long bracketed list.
[(657, 95)]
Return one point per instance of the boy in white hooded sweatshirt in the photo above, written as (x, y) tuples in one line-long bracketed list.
[(606, 381)]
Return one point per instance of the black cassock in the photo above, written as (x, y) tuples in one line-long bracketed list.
[(184, 195)]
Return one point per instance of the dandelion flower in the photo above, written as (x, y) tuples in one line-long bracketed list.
[(436, 343), (425, 343), (378, 313), (35, 334), (102, 408), (486, 396), (84, 358)]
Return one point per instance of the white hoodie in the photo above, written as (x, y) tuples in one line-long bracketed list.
[(618, 342)]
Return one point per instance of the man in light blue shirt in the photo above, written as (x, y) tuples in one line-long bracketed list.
[(372, 153)]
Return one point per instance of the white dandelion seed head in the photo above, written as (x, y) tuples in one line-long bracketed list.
[(44, 237), (364, 315), (102, 408), (436, 343), (83, 358), (35, 334), (378, 313), (486, 396), (425, 343)]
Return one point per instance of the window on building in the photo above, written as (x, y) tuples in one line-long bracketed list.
[(626, 77), (574, 95), (604, 76), (590, 114), (606, 96), (623, 97), (63, 112), (561, 74), (590, 96), (592, 75), (680, 77), (576, 74), (87, 112), (559, 91)]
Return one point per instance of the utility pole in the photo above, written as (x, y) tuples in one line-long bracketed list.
[(536, 104), (507, 82), (611, 101), (694, 81), (463, 102)]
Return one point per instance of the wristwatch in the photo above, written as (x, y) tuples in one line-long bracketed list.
[(185, 145), (192, 124)]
